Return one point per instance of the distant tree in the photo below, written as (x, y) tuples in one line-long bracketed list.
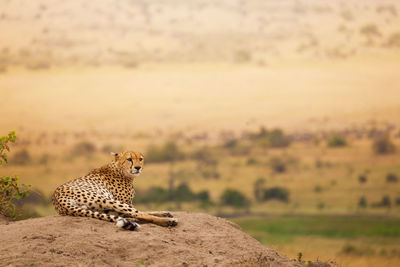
[(44, 159), (258, 189), (232, 143), (385, 202), (83, 148), (370, 31), (203, 196), (362, 178), (274, 138), (251, 161), (108, 148), (337, 141), (383, 145), (183, 193), (362, 202), (155, 194), (394, 40), (242, 56), (276, 193), (320, 205), (392, 178), (278, 139), (169, 152), (22, 157), (234, 198), (317, 189), (397, 201), (277, 164)]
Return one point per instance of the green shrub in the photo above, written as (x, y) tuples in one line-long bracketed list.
[(10, 189), (337, 141), (4, 146), (392, 178), (276, 193), (234, 198), (167, 153), (383, 145), (35, 197)]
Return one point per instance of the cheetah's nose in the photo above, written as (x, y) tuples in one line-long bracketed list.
[(138, 168)]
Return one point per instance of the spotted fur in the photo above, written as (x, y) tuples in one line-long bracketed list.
[(109, 189)]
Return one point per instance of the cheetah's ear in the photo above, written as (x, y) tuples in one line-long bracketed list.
[(115, 155)]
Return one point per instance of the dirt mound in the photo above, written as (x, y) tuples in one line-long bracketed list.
[(198, 240)]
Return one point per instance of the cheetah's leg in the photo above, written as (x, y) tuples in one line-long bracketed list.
[(127, 211), (70, 208), (99, 202), (163, 221), (159, 213)]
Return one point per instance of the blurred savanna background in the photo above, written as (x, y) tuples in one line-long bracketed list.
[(281, 115)]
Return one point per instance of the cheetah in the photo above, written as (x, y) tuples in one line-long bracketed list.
[(109, 189)]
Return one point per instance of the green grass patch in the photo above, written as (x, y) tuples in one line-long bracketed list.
[(282, 229)]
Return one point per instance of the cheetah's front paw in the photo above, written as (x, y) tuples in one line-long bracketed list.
[(127, 224), (166, 214), (172, 222)]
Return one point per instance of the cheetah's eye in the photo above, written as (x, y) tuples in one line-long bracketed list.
[(130, 160), (141, 159)]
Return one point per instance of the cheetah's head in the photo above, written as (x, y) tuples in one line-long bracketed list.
[(131, 163)]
